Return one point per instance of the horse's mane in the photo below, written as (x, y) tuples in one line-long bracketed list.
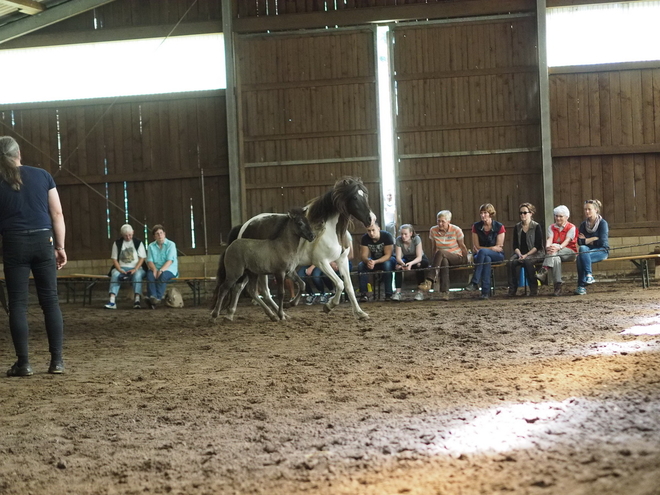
[(334, 202)]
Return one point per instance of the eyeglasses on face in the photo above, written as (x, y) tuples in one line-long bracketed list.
[(524, 212)]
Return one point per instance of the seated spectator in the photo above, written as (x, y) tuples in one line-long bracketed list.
[(593, 244), (448, 250), (314, 286), (409, 255), (376, 253), (527, 250), (561, 245), (163, 266), (128, 255), (487, 247)]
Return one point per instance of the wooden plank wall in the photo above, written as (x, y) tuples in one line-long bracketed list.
[(606, 143), (151, 151), (308, 116), (466, 88)]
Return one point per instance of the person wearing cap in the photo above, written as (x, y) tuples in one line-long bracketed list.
[(33, 232), (560, 245)]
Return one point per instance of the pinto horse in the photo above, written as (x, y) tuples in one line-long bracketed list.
[(329, 216), (246, 259)]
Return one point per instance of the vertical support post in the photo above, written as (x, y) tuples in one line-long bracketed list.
[(544, 101), (235, 183)]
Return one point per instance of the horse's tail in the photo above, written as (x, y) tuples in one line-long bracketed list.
[(221, 274)]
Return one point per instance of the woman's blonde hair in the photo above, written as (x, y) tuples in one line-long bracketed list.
[(10, 154), (596, 203)]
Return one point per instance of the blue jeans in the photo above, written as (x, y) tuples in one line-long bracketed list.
[(328, 283), (586, 256), (156, 288), (482, 261), (24, 253), (313, 282), (386, 266), (136, 278)]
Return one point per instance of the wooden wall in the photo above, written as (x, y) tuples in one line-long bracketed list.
[(150, 151), (468, 120), (308, 116), (606, 142)]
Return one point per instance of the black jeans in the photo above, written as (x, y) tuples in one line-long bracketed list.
[(25, 252)]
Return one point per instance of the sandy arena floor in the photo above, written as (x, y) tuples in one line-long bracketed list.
[(525, 396)]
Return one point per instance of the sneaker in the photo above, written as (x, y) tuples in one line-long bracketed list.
[(16, 370), (580, 291), (137, 304), (363, 298), (56, 367), (151, 302), (542, 276), (397, 296), (309, 300), (484, 297), (419, 296), (427, 285), (323, 299), (444, 296), (471, 287), (111, 305), (589, 279)]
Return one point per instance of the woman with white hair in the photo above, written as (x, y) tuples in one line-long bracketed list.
[(128, 255), (448, 250), (560, 245)]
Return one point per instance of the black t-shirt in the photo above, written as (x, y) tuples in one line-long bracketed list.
[(377, 248), (27, 208)]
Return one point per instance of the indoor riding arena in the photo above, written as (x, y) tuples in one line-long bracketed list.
[(444, 105)]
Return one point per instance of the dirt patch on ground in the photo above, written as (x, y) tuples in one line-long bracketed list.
[(546, 395)]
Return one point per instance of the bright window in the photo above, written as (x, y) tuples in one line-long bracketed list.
[(600, 34), (116, 68)]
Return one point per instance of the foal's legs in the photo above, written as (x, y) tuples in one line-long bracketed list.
[(254, 293)]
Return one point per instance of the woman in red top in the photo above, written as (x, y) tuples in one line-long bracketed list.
[(561, 245)]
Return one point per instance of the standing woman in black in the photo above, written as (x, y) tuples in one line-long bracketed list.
[(32, 228)]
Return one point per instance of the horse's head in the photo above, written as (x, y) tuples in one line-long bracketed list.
[(350, 197), (301, 225)]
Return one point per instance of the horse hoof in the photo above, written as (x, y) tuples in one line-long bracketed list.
[(229, 317), (327, 308), (363, 316)]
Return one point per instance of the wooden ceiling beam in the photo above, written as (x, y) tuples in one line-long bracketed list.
[(49, 16), (25, 6)]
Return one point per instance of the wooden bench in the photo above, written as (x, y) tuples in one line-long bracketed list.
[(196, 285), (640, 261)]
